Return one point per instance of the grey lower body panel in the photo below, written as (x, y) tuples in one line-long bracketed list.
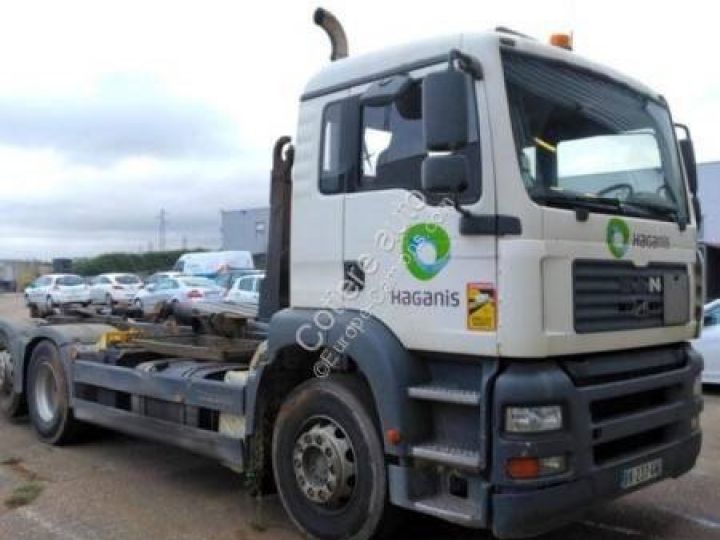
[(199, 441), (529, 513)]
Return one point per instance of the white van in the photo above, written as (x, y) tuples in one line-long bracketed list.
[(209, 263)]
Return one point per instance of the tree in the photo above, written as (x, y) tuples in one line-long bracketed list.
[(136, 263)]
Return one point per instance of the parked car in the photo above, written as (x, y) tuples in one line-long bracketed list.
[(110, 289), (246, 290), (175, 289), (159, 276), (708, 344), (52, 290), (226, 278)]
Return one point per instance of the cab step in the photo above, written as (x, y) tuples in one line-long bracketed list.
[(457, 396), (454, 509), (448, 455)]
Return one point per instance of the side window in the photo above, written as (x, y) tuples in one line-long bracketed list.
[(393, 146), (374, 147), (339, 140)]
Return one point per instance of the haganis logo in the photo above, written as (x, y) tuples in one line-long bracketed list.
[(425, 250), (618, 237)]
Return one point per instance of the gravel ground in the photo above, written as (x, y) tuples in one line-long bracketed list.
[(112, 487)]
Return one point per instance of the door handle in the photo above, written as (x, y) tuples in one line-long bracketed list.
[(353, 276)]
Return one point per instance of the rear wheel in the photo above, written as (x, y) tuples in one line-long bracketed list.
[(48, 396), (12, 404), (328, 460)]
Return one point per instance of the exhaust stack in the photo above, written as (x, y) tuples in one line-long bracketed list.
[(338, 41)]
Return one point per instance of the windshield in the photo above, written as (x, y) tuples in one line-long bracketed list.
[(127, 279), (70, 281), (198, 282), (582, 138)]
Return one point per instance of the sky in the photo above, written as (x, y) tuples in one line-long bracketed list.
[(111, 111)]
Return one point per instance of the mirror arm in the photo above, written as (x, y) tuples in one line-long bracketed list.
[(465, 62)]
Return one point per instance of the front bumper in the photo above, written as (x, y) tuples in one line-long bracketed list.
[(621, 410), (530, 513)]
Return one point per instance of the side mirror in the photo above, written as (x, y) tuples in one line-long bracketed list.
[(445, 110), (444, 174), (687, 151)]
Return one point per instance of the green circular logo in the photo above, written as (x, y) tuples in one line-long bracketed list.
[(618, 237), (425, 250)]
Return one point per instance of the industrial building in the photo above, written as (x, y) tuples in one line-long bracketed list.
[(246, 230), (709, 193), (16, 274)]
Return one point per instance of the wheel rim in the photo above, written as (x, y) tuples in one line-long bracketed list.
[(6, 371), (46, 393), (324, 463)]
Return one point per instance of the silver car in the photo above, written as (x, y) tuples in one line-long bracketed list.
[(113, 289), (52, 290), (176, 290)]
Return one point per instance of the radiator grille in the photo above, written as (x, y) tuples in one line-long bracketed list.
[(616, 295)]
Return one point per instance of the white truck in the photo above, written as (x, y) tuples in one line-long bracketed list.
[(211, 263), (483, 274)]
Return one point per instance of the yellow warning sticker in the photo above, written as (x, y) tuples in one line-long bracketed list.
[(481, 307)]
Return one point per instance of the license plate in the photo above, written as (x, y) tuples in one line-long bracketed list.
[(640, 474)]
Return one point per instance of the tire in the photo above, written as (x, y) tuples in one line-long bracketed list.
[(48, 396), (34, 311), (12, 404), (326, 425), (49, 305)]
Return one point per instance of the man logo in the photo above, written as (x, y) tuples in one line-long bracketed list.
[(641, 309), (655, 284)]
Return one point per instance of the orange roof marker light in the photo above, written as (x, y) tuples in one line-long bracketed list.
[(564, 41)]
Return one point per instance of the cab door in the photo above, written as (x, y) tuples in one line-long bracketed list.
[(405, 259)]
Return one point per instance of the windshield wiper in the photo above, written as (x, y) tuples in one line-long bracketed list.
[(659, 209), (577, 202), (604, 204)]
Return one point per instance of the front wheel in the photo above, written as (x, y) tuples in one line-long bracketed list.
[(328, 460), (48, 396), (12, 404)]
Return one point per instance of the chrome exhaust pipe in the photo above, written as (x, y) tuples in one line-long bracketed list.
[(338, 40)]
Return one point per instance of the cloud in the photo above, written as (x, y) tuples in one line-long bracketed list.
[(128, 115), (63, 209)]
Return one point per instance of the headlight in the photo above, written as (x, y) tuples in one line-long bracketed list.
[(533, 419)]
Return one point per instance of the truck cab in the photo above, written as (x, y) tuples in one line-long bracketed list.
[(539, 265)]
